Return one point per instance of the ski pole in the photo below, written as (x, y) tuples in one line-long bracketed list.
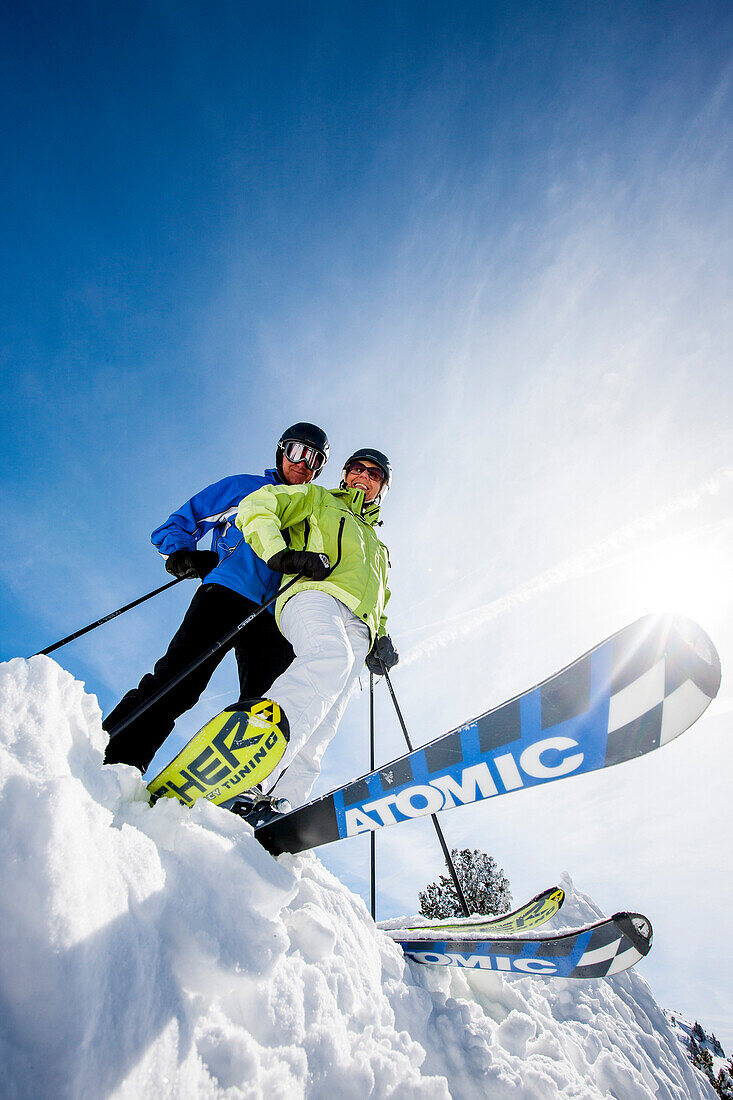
[(461, 897), (106, 619), (372, 834), (157, 695)]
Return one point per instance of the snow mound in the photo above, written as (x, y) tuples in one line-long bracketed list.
[(161, 951)]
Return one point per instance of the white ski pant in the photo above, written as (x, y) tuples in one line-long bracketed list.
[(330, 646)]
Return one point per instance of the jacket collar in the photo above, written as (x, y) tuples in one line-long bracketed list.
[(354, 501)]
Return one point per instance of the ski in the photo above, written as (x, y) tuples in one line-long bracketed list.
[(629, 695), (594, 951), (232, 753), (532, 914)]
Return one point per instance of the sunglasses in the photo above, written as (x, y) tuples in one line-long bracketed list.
[(372, 472), (301, 452)]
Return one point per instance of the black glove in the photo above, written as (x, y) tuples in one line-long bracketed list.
[(382, 655), (315, 566), (187, 564)]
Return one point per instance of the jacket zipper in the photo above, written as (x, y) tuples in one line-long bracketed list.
[(342, 521)]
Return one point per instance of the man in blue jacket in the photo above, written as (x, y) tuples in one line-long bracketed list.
[(237, 581)]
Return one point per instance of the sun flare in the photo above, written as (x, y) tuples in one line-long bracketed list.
[(692, 576)]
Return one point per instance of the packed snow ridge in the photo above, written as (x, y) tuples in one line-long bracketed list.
[(162, 952)]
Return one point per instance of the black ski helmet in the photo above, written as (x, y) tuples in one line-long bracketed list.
[(302, 433), (379, 459)]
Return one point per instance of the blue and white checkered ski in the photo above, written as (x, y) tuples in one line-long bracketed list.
[(595, 951), (632, 693)]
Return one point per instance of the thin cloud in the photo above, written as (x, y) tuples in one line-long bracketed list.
[(595, 556)]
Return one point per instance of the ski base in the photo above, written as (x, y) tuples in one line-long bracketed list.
[(628, 696), (232, 753), (595, 951)]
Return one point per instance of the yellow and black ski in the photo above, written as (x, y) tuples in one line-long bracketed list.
[(232, 753), (527, 917)]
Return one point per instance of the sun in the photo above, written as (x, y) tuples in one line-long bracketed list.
[(688, 575)]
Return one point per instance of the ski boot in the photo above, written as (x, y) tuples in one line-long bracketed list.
[(266, 810), (243, 803)]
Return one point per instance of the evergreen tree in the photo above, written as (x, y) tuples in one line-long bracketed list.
[(701, 1057), (704, 1061), (485, 886), (724, 1084)]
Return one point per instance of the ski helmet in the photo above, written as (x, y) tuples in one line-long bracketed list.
[(309, 434), (379, 459)]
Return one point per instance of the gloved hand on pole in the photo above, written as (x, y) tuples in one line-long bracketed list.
[(309, 564), (191, 564), (382, 656)]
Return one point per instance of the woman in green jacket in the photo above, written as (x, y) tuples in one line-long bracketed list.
[(333, 615)]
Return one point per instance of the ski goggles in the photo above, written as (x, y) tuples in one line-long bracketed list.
[(301, 452), (374, 473)]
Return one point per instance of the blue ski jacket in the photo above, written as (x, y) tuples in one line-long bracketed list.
[(214, 509)]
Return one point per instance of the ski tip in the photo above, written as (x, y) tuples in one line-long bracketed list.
[(701, 646), (260, 711), (665, 673), (637, 928), (684, 642)]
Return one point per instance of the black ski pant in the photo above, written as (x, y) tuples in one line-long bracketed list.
[(262, 654)]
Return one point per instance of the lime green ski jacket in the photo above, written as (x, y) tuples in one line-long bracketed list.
[(327, 521)]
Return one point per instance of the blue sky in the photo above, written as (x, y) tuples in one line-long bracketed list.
[(492, 240)]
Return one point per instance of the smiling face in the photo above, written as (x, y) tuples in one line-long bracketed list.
[(358, 476)]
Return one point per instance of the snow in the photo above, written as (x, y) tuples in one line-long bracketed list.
[(161, 951)]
